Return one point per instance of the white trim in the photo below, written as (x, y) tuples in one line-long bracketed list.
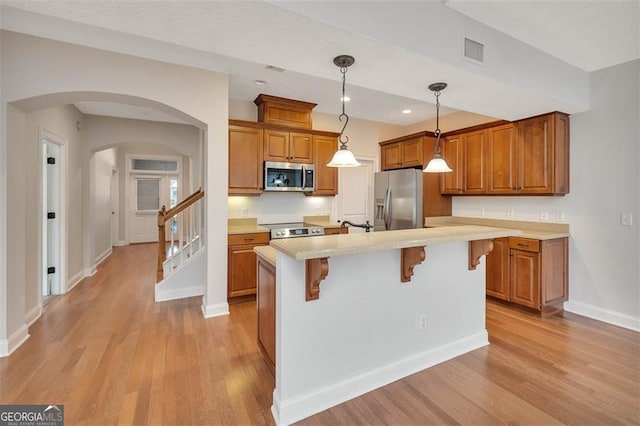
[(103, 256), (162, 295), (219, 309), (7, 347), (75, 280), (122, 243), (298, 408), (89, 272), (604, 315), (33, 315)]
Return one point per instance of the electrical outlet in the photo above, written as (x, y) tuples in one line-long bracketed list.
[(510, 214), (561, 216), (244, 212), (626, 219), (422, 322), (544, 215)]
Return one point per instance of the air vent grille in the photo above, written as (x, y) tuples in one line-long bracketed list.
[(473, 50)]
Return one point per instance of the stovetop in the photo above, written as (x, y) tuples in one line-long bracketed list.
[(292, 230)]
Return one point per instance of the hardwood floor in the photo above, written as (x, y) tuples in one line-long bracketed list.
[(111, 355)]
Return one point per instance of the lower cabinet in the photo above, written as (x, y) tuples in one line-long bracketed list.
[(528, 272), (241, 263), (336, 231), (266, 303)]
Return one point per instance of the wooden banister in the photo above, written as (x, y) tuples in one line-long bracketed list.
[(163, 216)]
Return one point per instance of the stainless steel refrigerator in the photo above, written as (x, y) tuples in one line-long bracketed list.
[(398, 200)]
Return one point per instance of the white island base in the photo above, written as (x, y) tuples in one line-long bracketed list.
[(367, 328)]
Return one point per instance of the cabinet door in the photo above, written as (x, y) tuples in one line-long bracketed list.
[(535, 156), (300, 148), (336, 231), (276, 146), (391, 156), (241, 270), (412, 153), (524, 283), (501, 160), (554, 266), (475, 154), (497, 271), (326, 177), (245, 160), (451, 183), (266, 304)]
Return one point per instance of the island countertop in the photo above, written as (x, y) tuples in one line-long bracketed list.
[(338, 245)]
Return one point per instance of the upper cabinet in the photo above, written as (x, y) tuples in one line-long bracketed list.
[(245, 158), (402, 154), (527, 157), (288, 147), (284, 112), (326, 177)]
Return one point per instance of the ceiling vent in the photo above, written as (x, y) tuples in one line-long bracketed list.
[(473, 50), (276, 69)]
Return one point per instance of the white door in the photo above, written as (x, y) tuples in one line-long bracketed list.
[(51, 219), (355, 200), (148, 195)]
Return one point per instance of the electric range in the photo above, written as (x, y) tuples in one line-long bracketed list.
[(293, 230)]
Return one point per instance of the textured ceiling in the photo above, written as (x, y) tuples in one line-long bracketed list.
[(400, 47)]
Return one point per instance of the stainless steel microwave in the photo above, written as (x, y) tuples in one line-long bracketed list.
[(288, 177)]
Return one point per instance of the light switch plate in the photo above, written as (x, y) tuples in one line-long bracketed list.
[(626, 219)]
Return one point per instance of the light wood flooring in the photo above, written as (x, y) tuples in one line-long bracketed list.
[(111, 355)]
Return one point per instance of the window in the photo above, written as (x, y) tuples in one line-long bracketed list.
[(142, 164), (148, 194)]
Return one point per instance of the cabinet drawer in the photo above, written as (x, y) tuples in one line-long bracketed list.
[(253, 238), (525, 244)]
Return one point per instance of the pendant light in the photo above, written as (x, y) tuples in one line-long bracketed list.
[(437, 164), (343, 157)]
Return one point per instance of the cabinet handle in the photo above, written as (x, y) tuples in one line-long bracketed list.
[(523, 245), (249, 239)]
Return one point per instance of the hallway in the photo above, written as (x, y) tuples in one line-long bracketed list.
[(113, 356)]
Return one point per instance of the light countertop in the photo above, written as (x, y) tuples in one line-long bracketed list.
[(533, 230), (267, 253), (244, 225), (337, 245), (321, 220)]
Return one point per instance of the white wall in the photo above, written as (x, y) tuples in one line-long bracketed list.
[(604, 276), (104, 163), (39, 73)]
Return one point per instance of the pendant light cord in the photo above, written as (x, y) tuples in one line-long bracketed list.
[(437, 131), (342, 138)]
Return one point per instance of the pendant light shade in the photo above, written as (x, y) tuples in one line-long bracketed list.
[(437, 164), (343, 157)]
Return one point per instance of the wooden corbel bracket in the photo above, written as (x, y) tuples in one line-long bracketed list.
[(477, 249), (410, 257), (316, 271)]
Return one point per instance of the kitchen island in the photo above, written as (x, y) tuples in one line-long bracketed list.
[(355, 312)]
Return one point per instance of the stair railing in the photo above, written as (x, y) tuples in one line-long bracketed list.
[(184, 233)]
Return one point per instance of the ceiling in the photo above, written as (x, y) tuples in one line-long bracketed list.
[(400, 47)]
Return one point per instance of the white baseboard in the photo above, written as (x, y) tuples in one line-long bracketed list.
[(75, 280), (300, 407), (604, 315), (210, 311), (162, 295), (33, 315), (7, 347), (103, 256), (122, 243), (89, 272)]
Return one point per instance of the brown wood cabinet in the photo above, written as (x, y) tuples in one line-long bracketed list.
[(501, 159), (288, 147), (326, 177), (245, 159), (474, 150), (241, 263), (452, 151), (528, 272), (402, 154), (266, 306), (336, 231), (284, 112)]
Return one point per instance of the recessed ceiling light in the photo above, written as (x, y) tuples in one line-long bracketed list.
[(260, 82), (406, 111), (346, 99)]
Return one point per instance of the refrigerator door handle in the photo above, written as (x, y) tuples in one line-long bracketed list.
[(387, 210)]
